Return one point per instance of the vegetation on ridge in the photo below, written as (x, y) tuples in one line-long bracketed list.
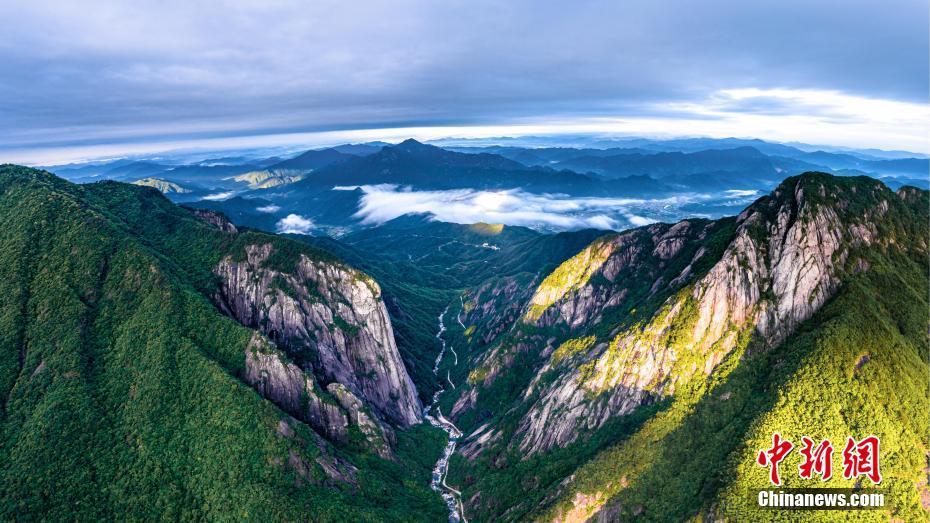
[(119, 378)]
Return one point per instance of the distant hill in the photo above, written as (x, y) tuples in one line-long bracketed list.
[(269, 179), (311, 160), (164, 186), (427, 166)]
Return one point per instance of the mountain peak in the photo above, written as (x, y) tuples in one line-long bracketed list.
[(411, 145), (828, 189)]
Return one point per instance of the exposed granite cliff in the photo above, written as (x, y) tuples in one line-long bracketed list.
[(720, 287), (296, 392), (338, 363), (785, 260), (215, 218)]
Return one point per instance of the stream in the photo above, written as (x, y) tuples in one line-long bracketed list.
[(433, 414)]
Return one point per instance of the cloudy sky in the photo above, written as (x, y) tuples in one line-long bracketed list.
[(99, 77)]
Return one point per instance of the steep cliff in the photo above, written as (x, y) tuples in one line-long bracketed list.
[(651, 318), (327, 317), (126, 392), (785, 261)]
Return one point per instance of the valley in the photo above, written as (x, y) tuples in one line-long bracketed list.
[(452, 497), (416, 368), (464, 262), (610, 185)]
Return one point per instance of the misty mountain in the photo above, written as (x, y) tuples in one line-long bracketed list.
[(311, 160), (426, 166)]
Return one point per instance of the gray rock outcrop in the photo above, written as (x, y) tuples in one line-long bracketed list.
[(329, 319)]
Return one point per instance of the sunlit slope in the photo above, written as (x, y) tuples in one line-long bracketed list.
[(645, 373)]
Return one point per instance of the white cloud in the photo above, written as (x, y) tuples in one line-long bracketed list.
[(381, 203), (639, 221), (295, 224), (270, 209), (783, 115), (740, 193), (219, 196), (816, 116)]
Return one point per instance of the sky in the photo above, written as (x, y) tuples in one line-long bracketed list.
[(101, 78)]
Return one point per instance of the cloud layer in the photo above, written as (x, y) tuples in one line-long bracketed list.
[(381, 203), (109, 73)]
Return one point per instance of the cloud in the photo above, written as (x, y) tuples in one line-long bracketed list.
[(741, 193), (219, 196), (639, 221), (294, 224), (270, 209), (89, 74), (381, 203)]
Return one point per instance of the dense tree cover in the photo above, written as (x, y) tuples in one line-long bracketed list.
[(119, 381), (121, 397), (423, 266), (858, 367), (698, 456)]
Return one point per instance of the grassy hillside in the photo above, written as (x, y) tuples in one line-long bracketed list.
[(119, 380)]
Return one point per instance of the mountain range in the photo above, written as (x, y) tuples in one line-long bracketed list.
[(165, 360), (634, 168)]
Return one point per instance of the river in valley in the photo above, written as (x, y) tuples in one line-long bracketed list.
[(433, 414)]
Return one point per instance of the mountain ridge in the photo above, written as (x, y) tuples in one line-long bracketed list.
[(126, 391), (619, 359)]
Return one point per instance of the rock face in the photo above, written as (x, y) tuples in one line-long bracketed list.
[(217, 219), (330, 321), (773, 268), (293, 390), (614, 377), (603, 275)]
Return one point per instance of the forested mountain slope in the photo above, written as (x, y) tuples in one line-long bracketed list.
[(128, 393), (641, 376)]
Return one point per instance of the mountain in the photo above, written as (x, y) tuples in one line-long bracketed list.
[(413, 163), (703, 170), (332, 195), (268, 179), (641, 376), (202, 178), (361, 149), (681, 158), (292, 170), (311, 160), (543, 156), (164, 186), (745, 160), (898, 166), (157, 360), (423, 264), (160, 362), (134, 170)]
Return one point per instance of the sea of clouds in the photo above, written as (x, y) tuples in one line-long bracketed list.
[(381, 203)]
